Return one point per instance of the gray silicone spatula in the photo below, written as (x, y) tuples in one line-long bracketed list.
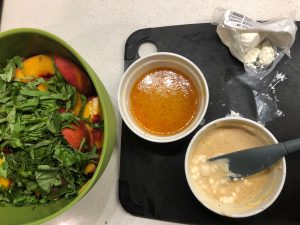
[(250, 161)]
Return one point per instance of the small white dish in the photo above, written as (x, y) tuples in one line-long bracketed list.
[(148, 63), (269, 193)]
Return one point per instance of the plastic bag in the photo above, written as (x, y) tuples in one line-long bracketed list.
[(259, 45)]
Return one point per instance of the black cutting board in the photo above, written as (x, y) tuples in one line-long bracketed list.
[(152, 183)]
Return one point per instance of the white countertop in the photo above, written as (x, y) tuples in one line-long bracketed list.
[(98, 29)]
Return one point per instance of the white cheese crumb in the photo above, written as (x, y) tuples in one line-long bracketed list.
[(260, 56), (251, 57), (199, 158), (226, 199), (194, 169), (249, 40), (267, 54), (233, 114), (195, 176)]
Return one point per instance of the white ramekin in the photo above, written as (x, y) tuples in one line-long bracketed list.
[(148, 63), (278, 179)]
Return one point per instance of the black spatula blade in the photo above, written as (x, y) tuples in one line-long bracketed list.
[(250, 161)]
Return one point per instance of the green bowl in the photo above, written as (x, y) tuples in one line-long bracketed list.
[(26, 42)]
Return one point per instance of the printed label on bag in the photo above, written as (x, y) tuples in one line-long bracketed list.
[(236, 20)]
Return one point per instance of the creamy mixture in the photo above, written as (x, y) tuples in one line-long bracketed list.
[(211, 178)]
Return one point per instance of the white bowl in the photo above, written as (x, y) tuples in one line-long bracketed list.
[(270, 192), (148, 63)]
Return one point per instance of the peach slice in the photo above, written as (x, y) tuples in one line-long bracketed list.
[(73, 74), (90, 168), (5, 182), (83, 187), (75, 135), (41, 87), (96, 137), (92, 110), (35, 67)]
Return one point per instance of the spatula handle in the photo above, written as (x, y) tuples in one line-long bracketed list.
[(292, 145)]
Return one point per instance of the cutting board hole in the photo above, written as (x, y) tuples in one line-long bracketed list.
[(147, 48)]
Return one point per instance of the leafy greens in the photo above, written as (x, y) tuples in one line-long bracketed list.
[(33, 154)]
